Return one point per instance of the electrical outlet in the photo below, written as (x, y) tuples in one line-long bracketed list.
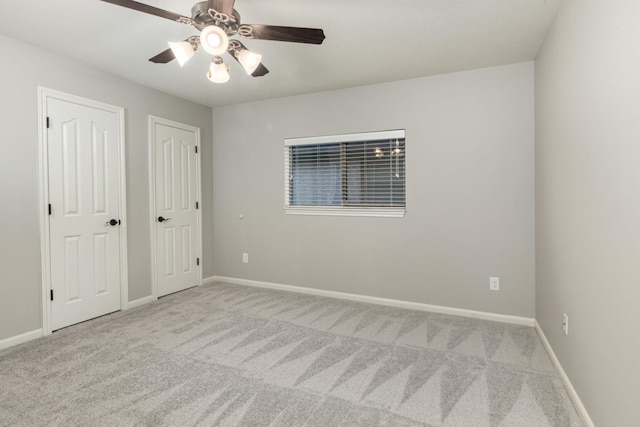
[(565, 323), (245, 257), (494, 283)]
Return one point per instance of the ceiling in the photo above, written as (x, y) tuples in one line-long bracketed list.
[(367, 41)]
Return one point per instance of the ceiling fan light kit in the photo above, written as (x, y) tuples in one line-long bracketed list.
[(249, 60), (214, 40), (218, 71), (217, 20), (183, 51)]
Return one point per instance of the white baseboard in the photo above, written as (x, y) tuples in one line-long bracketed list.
[(525, 321), (140, 301), (573, 395), (19, 339), (211, 279)]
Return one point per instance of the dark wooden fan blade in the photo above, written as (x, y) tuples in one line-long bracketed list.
[(163, 57), (141, 7), (222, 6), (258, 72), (284, 34)]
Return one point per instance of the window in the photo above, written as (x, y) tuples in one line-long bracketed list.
[(357, 174)]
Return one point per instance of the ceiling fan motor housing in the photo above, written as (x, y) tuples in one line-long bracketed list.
[(202, 18)]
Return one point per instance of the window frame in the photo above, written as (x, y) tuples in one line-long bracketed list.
[(342, 210)]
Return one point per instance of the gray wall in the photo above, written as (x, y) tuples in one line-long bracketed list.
[(470, 193), (24, 67), (588, 202)]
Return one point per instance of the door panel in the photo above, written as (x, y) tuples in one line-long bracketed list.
[(176, 184), (185, 176), (70, 166), (101, 263), (72, 269), (99, 169), (83, 159), (169, 250), (187, 255)]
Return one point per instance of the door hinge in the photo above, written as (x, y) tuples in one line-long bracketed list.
[(51, 293), (197, 261), (49, 208), (196, 149), (48, 124), (197, 205)]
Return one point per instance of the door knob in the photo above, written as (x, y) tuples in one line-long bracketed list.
[(113, 222), (161, 219)]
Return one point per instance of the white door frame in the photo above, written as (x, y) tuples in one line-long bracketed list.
[(153, 120), (43, 168)]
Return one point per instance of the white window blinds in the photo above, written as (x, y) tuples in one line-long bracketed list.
[(355, 174)]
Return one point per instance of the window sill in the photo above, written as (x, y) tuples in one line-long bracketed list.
[(345, 211)]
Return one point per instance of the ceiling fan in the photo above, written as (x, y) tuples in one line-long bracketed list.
[(217, 20)]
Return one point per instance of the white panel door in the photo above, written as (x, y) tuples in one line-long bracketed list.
[(176, 202), (83, 164)]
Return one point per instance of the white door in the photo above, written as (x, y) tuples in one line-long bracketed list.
[(176, 189), (83, 144)]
